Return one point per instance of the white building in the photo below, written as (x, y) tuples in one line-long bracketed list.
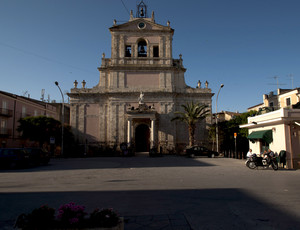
[(277, 130)]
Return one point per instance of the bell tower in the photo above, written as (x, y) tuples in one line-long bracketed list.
[(141, 11), (141, 56)]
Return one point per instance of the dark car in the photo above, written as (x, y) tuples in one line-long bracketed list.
[(38, 156), (13, 158), (200, 151)]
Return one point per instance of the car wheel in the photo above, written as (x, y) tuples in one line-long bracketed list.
[(212, 155), (192, 155)]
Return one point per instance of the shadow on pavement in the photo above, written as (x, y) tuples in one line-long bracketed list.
[(203, 209), (114, 162)]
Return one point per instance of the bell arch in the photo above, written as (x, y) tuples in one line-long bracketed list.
[(142, 47)]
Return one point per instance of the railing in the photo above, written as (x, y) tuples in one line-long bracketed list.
[(6, 112), (5, 132), (106, 62)]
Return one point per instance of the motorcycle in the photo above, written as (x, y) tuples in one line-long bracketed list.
[(254, 161)]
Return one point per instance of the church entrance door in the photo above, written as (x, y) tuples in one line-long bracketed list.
[(142, 138)]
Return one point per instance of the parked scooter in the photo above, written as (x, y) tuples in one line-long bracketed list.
[(254, 161)]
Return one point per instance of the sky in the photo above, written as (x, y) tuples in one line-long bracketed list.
[(250, 46)]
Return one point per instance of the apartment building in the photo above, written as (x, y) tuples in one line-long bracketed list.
[(12, 108)]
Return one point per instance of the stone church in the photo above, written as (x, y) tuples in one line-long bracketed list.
[(140, 88)]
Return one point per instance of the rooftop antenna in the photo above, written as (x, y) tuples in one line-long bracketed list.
[(66, 93), (24, 93), (43, 95), (278, 84), (291, 77)]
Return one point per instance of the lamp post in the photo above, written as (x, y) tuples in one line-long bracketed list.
[(217, 128), (62, 119)]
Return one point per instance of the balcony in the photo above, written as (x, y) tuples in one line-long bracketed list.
[(136, 61), (4, 132), (6, 112)]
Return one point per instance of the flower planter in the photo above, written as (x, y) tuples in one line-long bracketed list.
[(120, 226), (70, 217)]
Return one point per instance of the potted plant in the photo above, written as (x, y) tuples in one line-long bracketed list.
[(106, 218), (39, 218), (70, 216)]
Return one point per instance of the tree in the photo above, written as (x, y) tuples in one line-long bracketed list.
[(227, 130), (192, 114), (39, 128)]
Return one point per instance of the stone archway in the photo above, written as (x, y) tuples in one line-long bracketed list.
[(142, 138)]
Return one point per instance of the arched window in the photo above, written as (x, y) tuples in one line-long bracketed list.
[(142, 48)]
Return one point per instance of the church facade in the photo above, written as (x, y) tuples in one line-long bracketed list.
[(140, 88)]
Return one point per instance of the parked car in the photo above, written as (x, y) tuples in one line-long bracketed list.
[(14, 157), (38, 156), (200, 151)]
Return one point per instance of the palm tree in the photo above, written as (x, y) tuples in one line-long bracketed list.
[(192, 114)]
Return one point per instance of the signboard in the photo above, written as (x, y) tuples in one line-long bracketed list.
[(52, 140)]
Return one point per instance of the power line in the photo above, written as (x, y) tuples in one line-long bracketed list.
[(125, 7), (43, 57)]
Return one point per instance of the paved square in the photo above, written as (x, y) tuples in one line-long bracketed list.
[(159, 193)]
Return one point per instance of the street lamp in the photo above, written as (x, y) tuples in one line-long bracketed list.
[(217, 129), (62, 119)]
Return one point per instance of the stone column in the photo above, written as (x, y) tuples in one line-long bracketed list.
[(129, 125), (152, 134)]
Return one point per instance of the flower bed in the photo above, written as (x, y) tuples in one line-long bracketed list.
[(69, 216)]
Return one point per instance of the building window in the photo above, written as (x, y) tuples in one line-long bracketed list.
[(3, 128), (288, 101), (128, 51), (23, 111), (142, 48), (271, 104), (4, 107), (35, 113), (155, 51)]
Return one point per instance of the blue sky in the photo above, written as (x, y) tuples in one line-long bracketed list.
[(242, 44)]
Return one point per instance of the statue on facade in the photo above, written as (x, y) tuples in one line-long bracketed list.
[(141, 98), (199, 84), (206, 84)]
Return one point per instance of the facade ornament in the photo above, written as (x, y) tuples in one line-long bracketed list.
[(168, 23), (103, 55), (75, 84), (83, 83), (131, 15), (199, 84), (206, 84), (141, 98), (115, 22), (152, 17), (180, 59)]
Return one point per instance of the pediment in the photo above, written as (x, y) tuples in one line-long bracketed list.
[(140, 24)]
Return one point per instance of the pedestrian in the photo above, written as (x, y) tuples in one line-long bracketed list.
[(249, 153)]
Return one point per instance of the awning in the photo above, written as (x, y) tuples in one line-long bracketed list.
[(265, 135)]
